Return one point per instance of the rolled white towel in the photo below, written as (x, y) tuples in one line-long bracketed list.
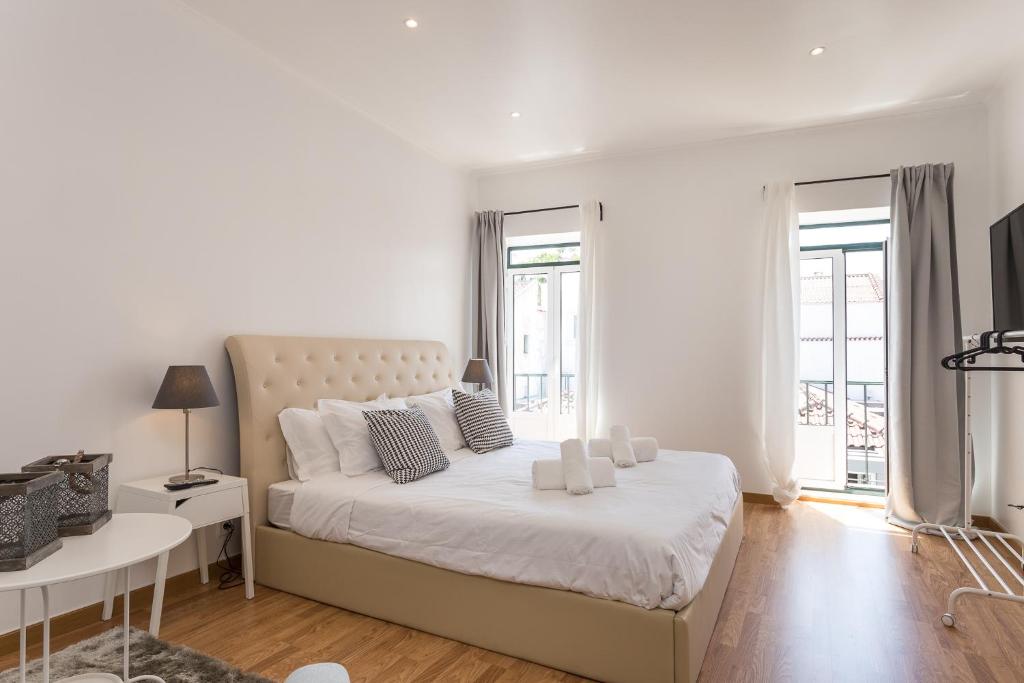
[(574, 467), (622, 449), (645, 448), (600, 448), (548, 474), (602, 472)]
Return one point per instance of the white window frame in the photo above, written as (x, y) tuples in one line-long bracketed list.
[(552, 425), (838, 427)]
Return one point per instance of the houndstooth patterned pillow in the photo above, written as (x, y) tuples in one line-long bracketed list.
[(406, 443), (482, 421)]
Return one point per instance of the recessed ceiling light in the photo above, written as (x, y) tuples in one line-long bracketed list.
[(817, 51), (515, 115), (411, 23)]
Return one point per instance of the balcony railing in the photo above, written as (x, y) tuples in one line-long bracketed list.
[(866, 438), (530, 392), (817, 403), (866, 435)]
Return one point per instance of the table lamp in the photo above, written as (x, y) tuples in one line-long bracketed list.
[(478, 372), (186, 387)]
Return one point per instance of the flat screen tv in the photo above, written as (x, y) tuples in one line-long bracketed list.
[(1007, 239)]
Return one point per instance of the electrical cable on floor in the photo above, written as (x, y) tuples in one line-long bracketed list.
[(230, 575)]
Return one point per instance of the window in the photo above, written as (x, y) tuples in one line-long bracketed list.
[(842, 350), (561, 254), (543, 309)]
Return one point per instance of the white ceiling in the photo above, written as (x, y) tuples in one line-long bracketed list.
[(607, 76)]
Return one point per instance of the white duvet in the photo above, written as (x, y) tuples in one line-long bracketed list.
[(649, 541)]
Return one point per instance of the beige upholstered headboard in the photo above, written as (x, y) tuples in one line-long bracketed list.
[(274, 373)]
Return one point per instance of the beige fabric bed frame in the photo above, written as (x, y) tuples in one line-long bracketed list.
[(599, 639)]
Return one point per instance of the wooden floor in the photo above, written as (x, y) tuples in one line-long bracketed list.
[(821, 592)]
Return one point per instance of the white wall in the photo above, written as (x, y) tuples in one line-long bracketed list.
[(166, 185), (1006, 110), (683, 263)]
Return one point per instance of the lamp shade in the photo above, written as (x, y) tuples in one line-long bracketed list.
[(478, 372), (186, 386)]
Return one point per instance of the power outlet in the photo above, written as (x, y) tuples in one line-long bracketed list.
[(227, 528)]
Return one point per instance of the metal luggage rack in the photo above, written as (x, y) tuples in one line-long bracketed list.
[(978, 345), (953, 534)]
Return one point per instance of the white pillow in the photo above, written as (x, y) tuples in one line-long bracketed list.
[(350, 435), (310, 451), (439, 407)]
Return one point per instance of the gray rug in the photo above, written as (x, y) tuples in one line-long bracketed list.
[(149, 655)]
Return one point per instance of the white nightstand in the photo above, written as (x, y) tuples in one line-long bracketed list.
[(202, 506)]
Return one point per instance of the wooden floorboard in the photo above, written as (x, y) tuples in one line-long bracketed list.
[(821, 592)]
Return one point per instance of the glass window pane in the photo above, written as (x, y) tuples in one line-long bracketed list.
[(570, 327), (530, 342), (865, 368), (835, 228), (865, 316), (544, 255), (540, 239), (816, 403), (838, 236)]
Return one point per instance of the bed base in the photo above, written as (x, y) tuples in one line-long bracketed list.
[(599, 639)]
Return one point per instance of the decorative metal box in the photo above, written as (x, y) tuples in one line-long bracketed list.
[(82, 501), (28, 518)]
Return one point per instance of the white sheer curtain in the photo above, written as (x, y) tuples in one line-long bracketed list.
[(780, 344), (589, 346)]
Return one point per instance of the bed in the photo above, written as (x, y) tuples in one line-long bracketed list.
[(592, 632)]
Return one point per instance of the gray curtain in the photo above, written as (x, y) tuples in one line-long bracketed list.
[(489, 296), (925, 401)]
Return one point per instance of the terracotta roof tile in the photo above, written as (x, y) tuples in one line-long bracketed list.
[(860, 288)]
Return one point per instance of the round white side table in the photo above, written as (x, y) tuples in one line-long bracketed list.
[(127, 539)]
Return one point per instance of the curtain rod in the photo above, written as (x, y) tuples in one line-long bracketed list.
[(840, 180), (600, 207)]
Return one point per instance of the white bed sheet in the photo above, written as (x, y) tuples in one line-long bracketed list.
[(649, 541), (280, 497)]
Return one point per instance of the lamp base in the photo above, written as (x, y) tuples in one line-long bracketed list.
[(185, 478)]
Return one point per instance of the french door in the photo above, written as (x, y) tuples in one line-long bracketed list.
[(842, 413), (820, 437), (543, 307)]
